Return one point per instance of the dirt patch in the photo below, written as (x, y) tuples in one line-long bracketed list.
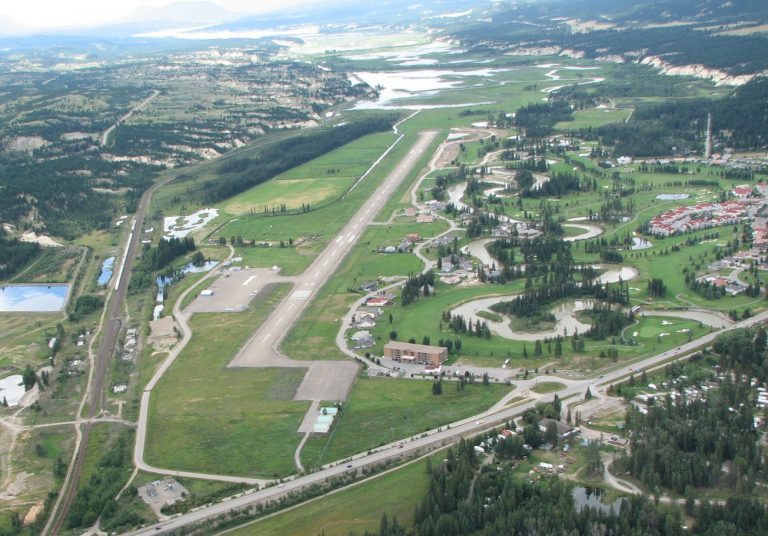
[(162, 336), (447, 155), (16, 487), (43, 240), (32, 513), (25, 143)]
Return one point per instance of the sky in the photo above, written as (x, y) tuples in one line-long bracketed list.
[(69, 13)]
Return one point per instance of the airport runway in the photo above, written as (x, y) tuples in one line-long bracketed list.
[(325, 380)]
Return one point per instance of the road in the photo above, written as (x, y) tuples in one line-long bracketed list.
[(104, 138), (442, 436)]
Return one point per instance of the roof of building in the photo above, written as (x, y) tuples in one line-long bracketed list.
[(562, 428), (396, 345)]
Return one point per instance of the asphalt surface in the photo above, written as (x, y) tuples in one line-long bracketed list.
[(437, 438), (325, 380)]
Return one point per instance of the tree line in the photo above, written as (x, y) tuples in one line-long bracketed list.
[(467, 497), (15, 254)]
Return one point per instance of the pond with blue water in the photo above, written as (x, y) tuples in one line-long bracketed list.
[(106, 271), (43, 298)]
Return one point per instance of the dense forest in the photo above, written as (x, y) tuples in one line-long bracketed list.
[(709, 442), (466, 497), (240, 174), (95, 499), (56, 193), (706, 438), (738, 120), (538, 120)]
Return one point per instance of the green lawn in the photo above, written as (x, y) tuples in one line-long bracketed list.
[(544, 388), (353, 510), (593, 117), (317, 182), (382, 410), (205, 417)]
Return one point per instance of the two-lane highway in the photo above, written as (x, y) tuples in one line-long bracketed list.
[(436, 438)]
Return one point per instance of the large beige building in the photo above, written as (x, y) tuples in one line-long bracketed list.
[(415, 353)]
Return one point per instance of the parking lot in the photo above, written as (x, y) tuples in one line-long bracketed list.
[(234, 290)]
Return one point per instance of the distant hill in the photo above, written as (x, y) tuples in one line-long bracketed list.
[(354, 12), (727, 37)]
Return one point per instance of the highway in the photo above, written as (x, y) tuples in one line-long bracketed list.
[(104, 137), (443, 436)]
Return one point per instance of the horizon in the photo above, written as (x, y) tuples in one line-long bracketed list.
[(51, 15)]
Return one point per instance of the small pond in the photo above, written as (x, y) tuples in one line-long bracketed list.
[(672, 197), (106, 271), (640, 243), (44, 298), (593, 497), (164, 281)]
